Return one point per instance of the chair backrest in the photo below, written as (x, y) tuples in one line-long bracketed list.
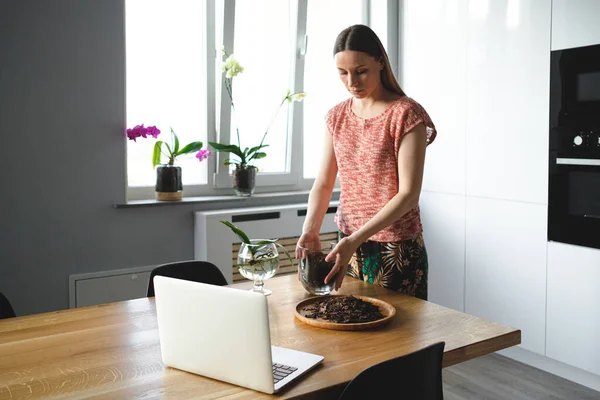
[(6, 310), (197, 271), (415, 376)]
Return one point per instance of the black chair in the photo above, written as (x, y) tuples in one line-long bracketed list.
[(415, 376), (6, 310), (197, 271)]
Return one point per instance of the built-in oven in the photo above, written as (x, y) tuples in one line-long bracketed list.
[(574, 169)]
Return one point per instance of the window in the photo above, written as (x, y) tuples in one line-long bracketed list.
[(321, 80), (263, 38), (165, 86), (263, 41), (170, 59)]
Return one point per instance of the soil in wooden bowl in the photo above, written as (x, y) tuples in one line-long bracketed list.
[(343, 310)]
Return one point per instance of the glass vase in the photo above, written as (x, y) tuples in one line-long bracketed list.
[(314, 268), (244, 181), (258, 263)]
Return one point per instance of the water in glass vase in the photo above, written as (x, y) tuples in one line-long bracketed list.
[(258, 271)]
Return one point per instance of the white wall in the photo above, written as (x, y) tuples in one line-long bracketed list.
[(481, 69)]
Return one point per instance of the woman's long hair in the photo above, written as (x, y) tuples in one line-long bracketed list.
[(362, 38)]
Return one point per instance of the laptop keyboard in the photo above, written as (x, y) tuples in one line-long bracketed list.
[(280, 371)]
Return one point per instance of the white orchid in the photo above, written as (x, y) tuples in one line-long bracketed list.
[(232, 67), (298, 96)]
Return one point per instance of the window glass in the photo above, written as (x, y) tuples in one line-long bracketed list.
[(325, 20), (165, 82), (263, 45)]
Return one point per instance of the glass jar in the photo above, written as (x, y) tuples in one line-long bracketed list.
[(314, 268)]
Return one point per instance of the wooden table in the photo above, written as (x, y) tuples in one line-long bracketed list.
[(112, 351)]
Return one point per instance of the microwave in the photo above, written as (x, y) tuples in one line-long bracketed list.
[(575, 88), (574, 159)]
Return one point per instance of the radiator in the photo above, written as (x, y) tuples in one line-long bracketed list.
[(216, 243)]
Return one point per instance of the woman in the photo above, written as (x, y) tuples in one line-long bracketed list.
[(376, 141)]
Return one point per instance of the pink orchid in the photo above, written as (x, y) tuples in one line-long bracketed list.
[(154, 131), (202, 154)]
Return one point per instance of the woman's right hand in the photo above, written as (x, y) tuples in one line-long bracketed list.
[(309, 240)]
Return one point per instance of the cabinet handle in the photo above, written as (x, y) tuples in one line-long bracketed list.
[(591, 216), (594, 162)]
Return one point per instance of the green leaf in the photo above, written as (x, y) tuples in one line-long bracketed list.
[(168, 148), (190, 148), (256, 148), (259, 155), (221, 147), (240, 233), (176, 149), (228, 148), (156, 153)]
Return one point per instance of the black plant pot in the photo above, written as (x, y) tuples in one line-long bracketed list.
[(168, 183), (244, 180)]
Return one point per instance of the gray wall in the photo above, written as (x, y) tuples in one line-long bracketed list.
[(62, 117)]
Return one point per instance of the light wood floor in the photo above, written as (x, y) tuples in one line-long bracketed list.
[(495, 377)]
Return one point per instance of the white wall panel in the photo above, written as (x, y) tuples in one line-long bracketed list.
[(432, 71), (508, 56), (574, 306), (506, 266), (443, 217)]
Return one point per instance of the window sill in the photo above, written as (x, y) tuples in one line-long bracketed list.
[(219, 199)]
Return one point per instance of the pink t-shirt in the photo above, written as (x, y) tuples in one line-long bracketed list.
[(366, 152)]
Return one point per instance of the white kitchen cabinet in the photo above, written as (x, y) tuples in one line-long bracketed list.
[(432, 71), (574, 306), (506, 266), (508, 58), (575, 23), (443, 217)]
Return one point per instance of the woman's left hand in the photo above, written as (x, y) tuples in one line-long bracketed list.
[(342, 254)]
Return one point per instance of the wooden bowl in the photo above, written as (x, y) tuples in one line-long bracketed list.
[(386, 309)]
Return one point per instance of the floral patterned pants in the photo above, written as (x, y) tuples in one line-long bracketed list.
[(400, 266)]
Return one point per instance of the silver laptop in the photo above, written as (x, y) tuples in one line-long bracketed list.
[(223, 333)]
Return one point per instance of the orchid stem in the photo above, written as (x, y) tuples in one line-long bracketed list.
[(229, 92), (273, 119)]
